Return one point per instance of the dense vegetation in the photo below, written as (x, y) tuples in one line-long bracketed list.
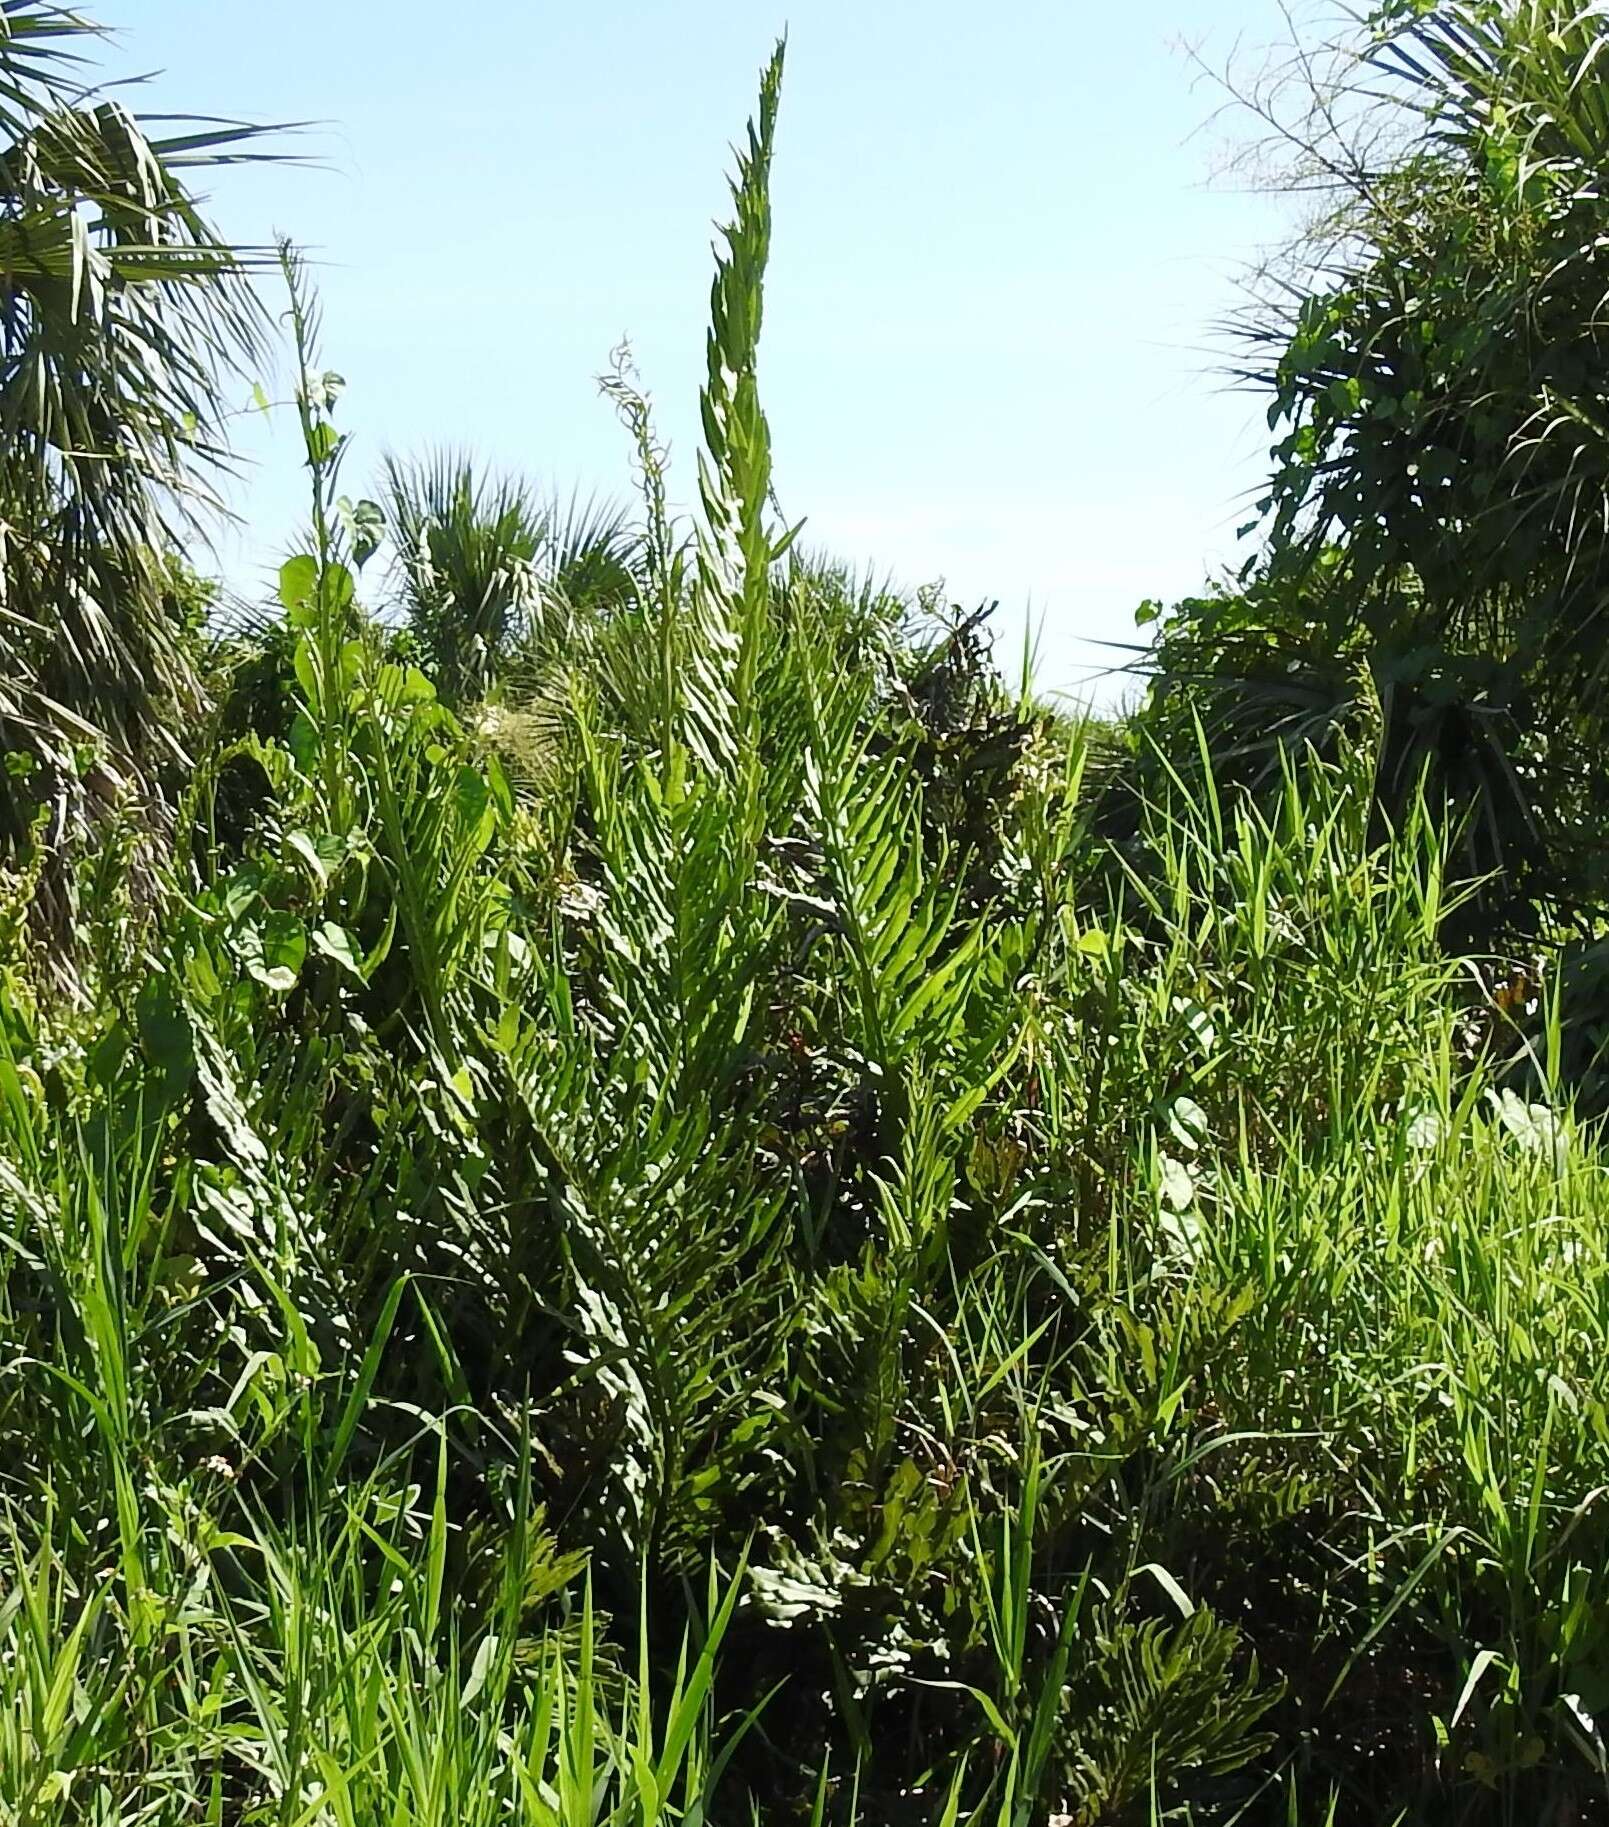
[(629, 1192)]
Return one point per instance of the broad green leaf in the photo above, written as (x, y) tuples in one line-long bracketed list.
[(323, 443), (1188, 1123), (298, 585), (275, 950), (335, 942), (301, 845), (165, 1031), (1178, 1184)]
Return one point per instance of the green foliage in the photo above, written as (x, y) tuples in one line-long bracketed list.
[(689, 1241), (735, 549), (124, 311), (488, 577), (1435, 517)]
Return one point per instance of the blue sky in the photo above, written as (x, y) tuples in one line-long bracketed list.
[(998, 257)]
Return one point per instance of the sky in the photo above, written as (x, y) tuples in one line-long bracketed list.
[(999, 257)]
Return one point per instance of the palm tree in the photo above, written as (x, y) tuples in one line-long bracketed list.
[(487, 574), (121, 313)]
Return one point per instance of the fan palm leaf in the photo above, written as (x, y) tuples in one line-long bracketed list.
[(121, 314), (489, 574)]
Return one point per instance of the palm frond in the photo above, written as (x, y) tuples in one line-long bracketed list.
[(122, 311)]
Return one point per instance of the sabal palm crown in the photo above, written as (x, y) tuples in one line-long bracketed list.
[(120, 313), (487, 573)]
